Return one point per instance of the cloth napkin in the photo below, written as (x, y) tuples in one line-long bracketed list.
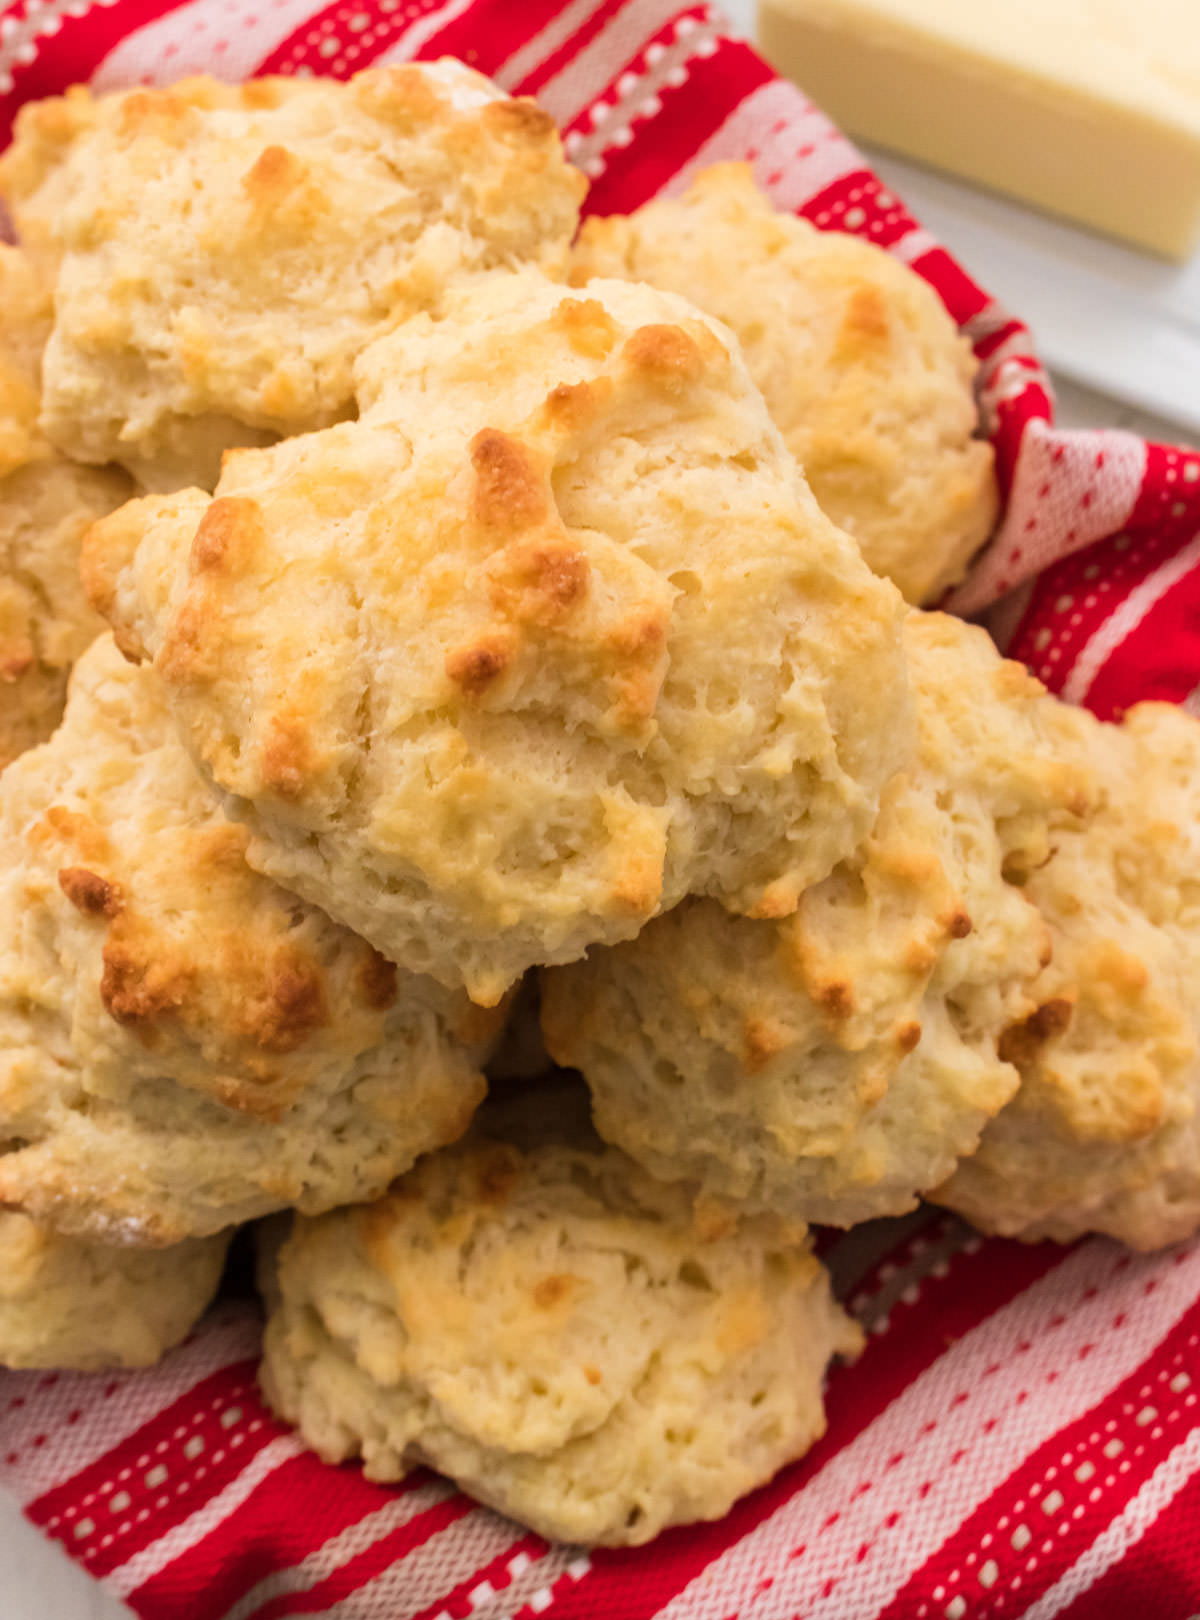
[(1021, 1436)]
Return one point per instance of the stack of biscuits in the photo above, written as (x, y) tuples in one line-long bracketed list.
[(512, 808)]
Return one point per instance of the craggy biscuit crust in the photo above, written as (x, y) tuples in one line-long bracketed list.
[(1104, 1133), (553, 635), (836, 1064), (67, 1303), (861, 367), (548, 1326), (223, 252), (183, 1045), (26, 317), (46, 504)]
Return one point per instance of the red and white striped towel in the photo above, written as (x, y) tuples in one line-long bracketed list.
[(1021, 1436)]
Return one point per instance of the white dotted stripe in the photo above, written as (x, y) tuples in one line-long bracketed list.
[(171, 1467), (586, 77), (19, 36), (1124, 1532), (228, 1335), (349, 36), (544, 1596), (1072, 1488), (1120, 625), (847, 213), (136, 1571), (411, 41), (529, 1580), (949, 1440), (638, 97)]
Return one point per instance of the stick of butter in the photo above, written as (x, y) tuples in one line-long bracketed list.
[(1088, 108)]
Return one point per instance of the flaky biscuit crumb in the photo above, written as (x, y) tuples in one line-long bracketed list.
[(182, 1044), (551, 636), (1104, 1133), (544, 1323), (862, 369), (223, 252), (46, 504), (836, 1064), (68, 1303)]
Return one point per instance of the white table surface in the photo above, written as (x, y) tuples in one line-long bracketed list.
[(37, 1580)]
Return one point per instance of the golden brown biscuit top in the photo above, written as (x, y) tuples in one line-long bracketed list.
[(223, 253), (26, 315), (207, 972), (503, 644), (862, 369)]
